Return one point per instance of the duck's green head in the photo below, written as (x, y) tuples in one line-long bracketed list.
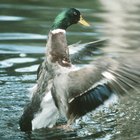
[(68, 17)]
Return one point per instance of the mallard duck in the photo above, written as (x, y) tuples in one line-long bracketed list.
[(63, 90)]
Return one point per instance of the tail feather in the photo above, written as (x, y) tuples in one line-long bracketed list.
[(26, 118)]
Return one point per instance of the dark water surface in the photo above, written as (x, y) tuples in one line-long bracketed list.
[(24, 25)]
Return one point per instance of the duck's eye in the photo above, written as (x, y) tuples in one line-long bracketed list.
[(74, 13)]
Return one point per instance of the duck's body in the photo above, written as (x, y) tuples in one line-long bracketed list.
[(62, 90), (78, 91)]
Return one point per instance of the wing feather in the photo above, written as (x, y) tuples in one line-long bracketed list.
[(105, 77)]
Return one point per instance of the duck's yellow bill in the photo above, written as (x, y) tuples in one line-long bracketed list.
[(83, 22)]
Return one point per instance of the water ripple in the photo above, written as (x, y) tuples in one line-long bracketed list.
[(10, 62), (27, 69), (9, 48), (11, 18), (21, 36)]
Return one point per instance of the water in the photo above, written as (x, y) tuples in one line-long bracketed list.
[(24, 26)]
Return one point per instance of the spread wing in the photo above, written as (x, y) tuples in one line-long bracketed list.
[(78, 52), (91, 86)]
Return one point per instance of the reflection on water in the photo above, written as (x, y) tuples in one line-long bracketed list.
[(21, 36), (11, 18), (23, 32)]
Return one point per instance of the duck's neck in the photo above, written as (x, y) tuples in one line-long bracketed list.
[(59, 26)]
